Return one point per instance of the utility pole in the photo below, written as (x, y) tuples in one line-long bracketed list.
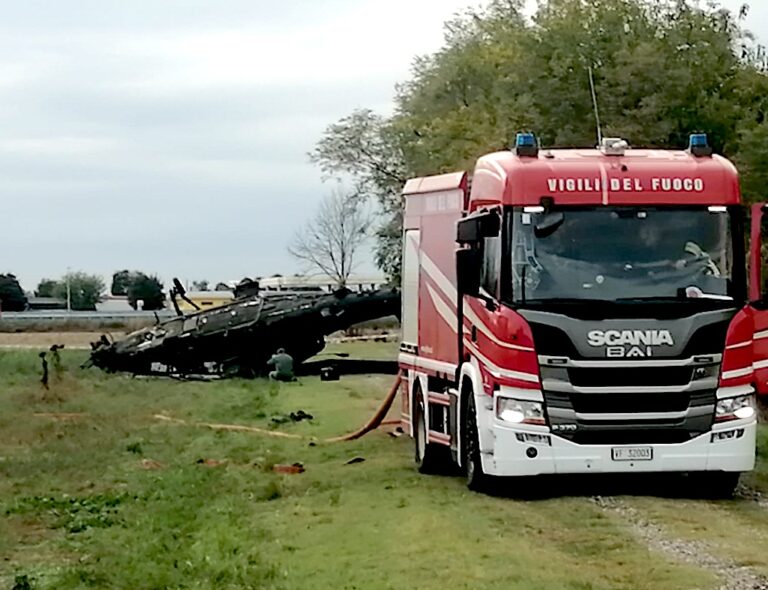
[(69, 294)]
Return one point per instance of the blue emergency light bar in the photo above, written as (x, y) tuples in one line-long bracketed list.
[(698, 145), (526, 145)]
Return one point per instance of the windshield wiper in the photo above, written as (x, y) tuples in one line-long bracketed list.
[(567, 300), (672, 299), (659, 298)]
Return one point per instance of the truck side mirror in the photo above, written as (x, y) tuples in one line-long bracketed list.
[(473, 229), (468, 266)]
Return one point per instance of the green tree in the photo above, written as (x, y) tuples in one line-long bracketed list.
[(367, 148), (200, 285), (662, 70), (85, 290), (148, 290), (12, 297), (121, 280), (46, 288), (753, 160)]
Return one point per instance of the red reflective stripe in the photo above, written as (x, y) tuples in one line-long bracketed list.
[(442, 399), (439, 438)]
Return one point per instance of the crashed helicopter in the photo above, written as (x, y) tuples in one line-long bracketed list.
[(238, 339)]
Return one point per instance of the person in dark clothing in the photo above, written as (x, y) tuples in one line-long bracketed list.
[(44, 379), (283, 364)]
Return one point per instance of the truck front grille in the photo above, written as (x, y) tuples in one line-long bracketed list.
[(636, 376), (622, 403), (613, 404)]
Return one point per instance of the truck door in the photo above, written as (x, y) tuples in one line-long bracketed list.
[(758, 294)]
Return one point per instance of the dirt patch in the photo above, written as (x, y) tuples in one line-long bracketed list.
[(44, 340), (746, 493), (732, 575), (62, 416)]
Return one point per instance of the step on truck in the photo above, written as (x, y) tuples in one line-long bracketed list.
[(584, 311)]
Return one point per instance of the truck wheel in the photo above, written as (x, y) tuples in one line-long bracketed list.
[(430, 458), (762, 408), (477, 480), (717, 485)]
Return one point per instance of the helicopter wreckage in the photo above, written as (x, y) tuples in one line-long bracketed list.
[(238, 339)]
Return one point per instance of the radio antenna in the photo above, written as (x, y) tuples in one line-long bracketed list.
[(594, 103)]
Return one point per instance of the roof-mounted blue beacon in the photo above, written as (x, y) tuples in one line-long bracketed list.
[(526, 145), (698, 145)]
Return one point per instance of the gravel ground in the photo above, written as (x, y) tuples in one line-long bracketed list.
[(752, 495), (732, 576)]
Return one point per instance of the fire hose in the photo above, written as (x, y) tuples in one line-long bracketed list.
[(375, 421)]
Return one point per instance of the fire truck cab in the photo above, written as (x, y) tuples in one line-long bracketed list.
[(583, 311)]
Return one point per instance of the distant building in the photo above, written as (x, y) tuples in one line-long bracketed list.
[(45, 303), (114, 304), (205, 300), (321, 283)]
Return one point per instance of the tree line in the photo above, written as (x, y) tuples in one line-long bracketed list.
[(662, 69), (84, 291)]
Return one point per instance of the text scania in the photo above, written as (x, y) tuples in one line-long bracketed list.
[(627, 185), (629, 343)]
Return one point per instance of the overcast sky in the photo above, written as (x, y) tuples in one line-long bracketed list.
[(170, 136)]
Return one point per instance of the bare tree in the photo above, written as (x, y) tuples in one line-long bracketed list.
[(331, 240)]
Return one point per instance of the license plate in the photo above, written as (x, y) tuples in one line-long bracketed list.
[(632, 453)]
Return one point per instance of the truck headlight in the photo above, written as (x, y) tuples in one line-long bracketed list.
[(735, 408), (518, 411)]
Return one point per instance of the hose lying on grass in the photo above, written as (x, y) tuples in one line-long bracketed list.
[(233, 427), (376, 420)]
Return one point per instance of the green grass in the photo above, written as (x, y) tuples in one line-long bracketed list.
[(114, 498), (362, 349)]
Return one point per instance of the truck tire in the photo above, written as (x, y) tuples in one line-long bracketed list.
[(477, 480), (716, 485), (431, 459)]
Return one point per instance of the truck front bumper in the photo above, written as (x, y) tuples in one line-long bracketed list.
[(545, 453)]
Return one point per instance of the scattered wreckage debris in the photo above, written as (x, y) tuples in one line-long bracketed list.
[(210, 462), (297, 416), (289, 469), (238, 339), (151, 465)]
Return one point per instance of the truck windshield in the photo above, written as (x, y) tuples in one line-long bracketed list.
[(620, 254)]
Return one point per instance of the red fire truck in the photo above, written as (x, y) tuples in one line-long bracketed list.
[(583, 311)]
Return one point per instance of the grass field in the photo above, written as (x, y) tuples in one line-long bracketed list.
[(96, 492)]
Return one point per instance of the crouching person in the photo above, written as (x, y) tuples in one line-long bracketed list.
[(283, 366)]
